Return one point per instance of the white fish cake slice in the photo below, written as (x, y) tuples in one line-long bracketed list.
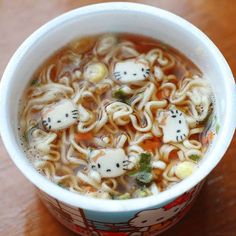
[(60, 115), (110, 163), (130, 71), (174, 126)]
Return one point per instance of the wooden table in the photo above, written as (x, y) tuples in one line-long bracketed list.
[(214, 213)]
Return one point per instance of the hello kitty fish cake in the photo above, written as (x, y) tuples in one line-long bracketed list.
[(59, 115), (132, 70), (174, 125), (109, 163)]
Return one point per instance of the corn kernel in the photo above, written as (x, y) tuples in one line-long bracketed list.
[(95, 72), (184, 169), (77, 74)]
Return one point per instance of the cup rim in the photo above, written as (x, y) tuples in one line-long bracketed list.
[(103, 205)]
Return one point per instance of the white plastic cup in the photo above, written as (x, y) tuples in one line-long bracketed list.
[(146, 216)]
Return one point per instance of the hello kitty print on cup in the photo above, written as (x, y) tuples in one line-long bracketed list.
[(155, 221), (132, 70), (60, 115), (174, 125), (109, 163)]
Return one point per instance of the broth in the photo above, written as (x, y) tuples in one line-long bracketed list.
[(116, 116)]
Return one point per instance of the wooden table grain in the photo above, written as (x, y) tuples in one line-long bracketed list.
[(21, 211)]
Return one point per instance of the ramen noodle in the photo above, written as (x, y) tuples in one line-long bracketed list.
[(116, 116)]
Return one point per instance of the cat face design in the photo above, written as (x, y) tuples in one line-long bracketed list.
[(60, 115), (147, 218), (110, 163), (174, 125), (131, 71)]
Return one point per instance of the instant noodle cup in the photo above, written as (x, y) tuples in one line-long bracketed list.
[(142, 216)]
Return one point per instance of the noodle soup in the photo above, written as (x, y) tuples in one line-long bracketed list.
[(116, 116)]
